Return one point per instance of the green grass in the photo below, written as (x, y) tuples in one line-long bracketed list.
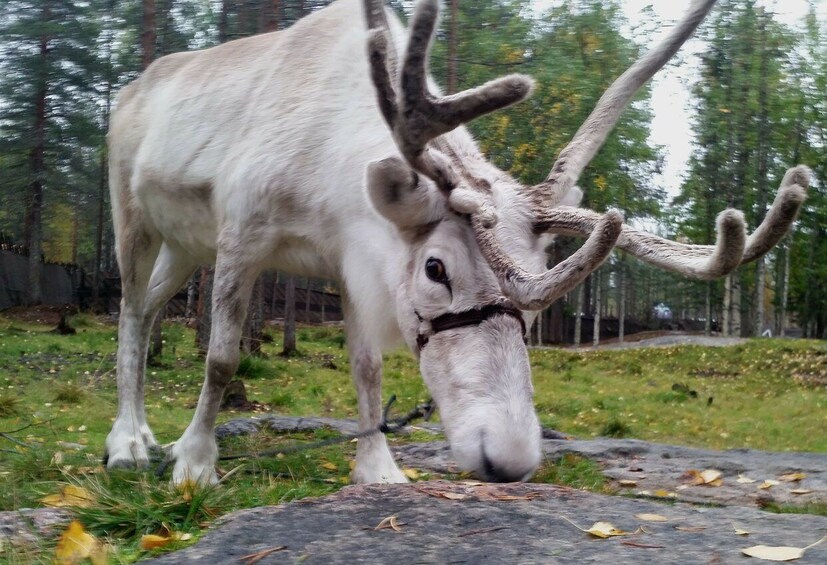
[(766, 394)]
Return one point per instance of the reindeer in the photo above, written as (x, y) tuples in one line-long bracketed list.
[(294, 150)]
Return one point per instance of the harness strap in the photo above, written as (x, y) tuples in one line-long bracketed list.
[(473, 317)]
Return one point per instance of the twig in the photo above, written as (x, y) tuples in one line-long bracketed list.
[(14, 440), (482, 531), (259, 555)]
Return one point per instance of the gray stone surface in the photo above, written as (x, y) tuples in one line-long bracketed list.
[(654, 467), (502, 524), (657, 467), (29, 526)]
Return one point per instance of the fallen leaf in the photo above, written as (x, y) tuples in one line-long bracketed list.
[(330, 466), (710, 477), (739, 531), (651, 517), (389, 523), (769, 483), (792, 477), (801, 491), (627, 483), (152, 541), (780, 553), (663, 493), (690, 528), (745, 480), (600, 529), (453, 495), (70, 496), (76, 544), (412, 474), (253, 558)]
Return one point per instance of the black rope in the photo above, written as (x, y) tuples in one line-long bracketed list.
[(386, 426)]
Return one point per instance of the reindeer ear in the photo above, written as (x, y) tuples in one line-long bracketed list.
[(402, 196)]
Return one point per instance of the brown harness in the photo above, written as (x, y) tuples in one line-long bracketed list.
[(473, 317)]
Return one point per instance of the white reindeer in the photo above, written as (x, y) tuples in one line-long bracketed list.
[(272, 152)]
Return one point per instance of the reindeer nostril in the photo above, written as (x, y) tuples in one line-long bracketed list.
[(497, 474)]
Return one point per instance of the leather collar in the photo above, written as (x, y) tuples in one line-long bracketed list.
[(472, 317)]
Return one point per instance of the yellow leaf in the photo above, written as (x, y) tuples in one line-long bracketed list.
[(330, 466), (627, 483), (71, 495), (801, 491), (739, 531), (151, 541), (793, 477), (412, 474), (600, 529), (745, 480), (769, 483), (76, 544), (780, 553), (651, 517)]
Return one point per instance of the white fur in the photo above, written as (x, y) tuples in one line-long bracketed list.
[(253, 154)]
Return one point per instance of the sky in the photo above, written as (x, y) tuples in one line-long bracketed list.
[(671, 99)]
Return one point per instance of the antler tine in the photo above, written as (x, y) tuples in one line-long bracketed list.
[(781, 214), (531, 291), (594, 131), (417, 116), (731, 249)]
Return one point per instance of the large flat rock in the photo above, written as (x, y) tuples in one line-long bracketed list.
[(462, 522), (658, 467)]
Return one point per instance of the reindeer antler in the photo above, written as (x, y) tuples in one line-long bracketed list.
[(701, 261), (594, 131), (732, 249), (417, 117)]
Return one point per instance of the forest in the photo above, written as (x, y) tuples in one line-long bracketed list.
[(758, 108)]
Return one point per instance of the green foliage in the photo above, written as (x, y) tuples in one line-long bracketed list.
[(572, 471)]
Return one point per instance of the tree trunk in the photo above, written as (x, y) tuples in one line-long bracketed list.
[(273, 16), (621, 301), (708, 309), (760, 281), (156, 341), (192, 293), (785, 291), (598, 297), (148, 33), (453, 32), (556, 309), (37, 159), (726, 323), (289, 317), (253, 332), (204, 310), (307, 300), (578, 315), (224, 21)]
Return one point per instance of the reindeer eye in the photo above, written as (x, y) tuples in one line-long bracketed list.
[(436, 270)]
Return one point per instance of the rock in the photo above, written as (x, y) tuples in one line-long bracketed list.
[(456, 522), (30, 527), (659, 467)]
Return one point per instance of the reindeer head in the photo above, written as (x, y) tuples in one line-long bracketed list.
[(476, 265)]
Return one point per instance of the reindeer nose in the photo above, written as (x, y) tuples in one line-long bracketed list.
[(500, 473)]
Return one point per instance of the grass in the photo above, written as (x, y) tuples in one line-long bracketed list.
[(765, 394)]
